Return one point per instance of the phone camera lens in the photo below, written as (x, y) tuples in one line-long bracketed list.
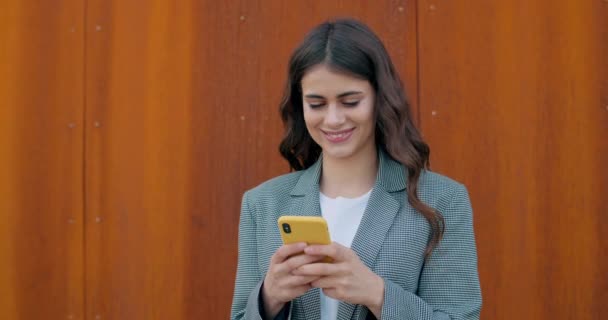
[(286, 228)]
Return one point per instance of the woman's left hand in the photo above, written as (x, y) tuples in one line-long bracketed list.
[(346, 278)]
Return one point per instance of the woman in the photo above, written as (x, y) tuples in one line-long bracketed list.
[(403, 245)]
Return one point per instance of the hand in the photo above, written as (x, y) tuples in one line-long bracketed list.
[(280, 284), (346, 279)]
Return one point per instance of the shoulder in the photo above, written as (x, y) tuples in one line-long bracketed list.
[(274, 188), (437, 183), (440, 191)]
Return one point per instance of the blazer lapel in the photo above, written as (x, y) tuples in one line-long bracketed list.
[(305, 202), (305, 194), (380, 213)]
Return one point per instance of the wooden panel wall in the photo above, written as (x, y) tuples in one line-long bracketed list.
[(41, 145), (182, 117), (129, 131), (514, 102)]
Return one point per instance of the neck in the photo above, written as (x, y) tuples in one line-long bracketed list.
[(350, 177)]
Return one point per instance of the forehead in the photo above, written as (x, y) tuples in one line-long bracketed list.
[(323, 81)]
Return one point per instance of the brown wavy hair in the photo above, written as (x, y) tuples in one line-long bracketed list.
[(349, 46)]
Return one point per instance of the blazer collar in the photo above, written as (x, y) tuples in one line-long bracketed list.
[(379, 215), (391, 176)]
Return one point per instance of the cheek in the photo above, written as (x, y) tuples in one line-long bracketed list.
[(365, 116), (311, 119)]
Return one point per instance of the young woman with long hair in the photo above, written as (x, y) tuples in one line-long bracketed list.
[(403, 237)]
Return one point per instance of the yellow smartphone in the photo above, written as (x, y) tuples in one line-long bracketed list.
[(312, 230)]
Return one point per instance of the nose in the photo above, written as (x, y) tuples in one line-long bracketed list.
[(334, 116)]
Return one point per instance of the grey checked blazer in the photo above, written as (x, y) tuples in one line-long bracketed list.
[(391, 241)]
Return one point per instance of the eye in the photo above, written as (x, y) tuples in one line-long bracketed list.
[(351, 103), (315, 105)]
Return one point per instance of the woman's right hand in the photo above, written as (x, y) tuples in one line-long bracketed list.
[(280, 285)]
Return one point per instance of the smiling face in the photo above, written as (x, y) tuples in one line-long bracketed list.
[(339, 112)]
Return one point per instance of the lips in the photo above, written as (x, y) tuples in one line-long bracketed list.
[(338, 136)]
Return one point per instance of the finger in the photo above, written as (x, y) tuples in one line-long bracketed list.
[(287, 250), (300, 260), (334, 250), (297, 281), (294, 292), (332, 293), (325, 282), (318, 269)]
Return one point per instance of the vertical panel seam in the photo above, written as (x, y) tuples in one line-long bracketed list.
[(84, 160), (418, 82)]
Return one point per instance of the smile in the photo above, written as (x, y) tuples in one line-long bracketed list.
[(338, 136)]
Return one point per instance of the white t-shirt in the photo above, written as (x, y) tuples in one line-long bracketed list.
[(343, 217)]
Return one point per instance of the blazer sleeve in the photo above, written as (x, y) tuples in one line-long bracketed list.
[(449, 283), (248, 280), (247, 301)]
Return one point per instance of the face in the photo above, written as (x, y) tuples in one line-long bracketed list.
[(339, 112)]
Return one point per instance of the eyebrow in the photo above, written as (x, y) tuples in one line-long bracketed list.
[(341, 95)]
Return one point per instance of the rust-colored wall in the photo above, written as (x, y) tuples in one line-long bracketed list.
[(185, 95), (514, 103), (177, 115), (128, 133), (41, 145)]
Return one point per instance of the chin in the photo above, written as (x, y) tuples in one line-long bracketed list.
[(338, 153)]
